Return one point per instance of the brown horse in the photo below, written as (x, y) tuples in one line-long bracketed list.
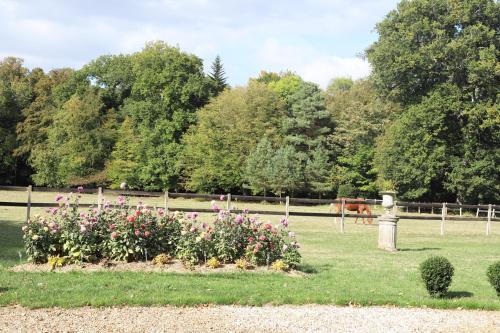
[(353, 207)]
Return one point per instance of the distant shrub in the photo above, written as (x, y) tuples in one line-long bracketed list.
[(493, 274), (279, 265), (162, 259), (437, 273)]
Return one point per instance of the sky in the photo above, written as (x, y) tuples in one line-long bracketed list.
[(319, 40)]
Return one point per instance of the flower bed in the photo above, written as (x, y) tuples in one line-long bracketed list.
[(117, 232)]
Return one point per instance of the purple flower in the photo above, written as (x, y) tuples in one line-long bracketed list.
[(245, 210), (215, 208), (284, 222), (238, 219), (53, 211), (59, 197), (107, 204), (80, 189), (222, 197)]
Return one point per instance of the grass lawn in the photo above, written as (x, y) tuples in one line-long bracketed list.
[(343, 268)]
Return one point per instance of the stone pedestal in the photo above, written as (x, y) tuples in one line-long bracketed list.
[(387, 232)]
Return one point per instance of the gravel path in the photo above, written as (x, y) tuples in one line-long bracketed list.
[(307, 318)]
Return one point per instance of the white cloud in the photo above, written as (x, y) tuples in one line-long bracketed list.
[(322, 70), (318, 39)]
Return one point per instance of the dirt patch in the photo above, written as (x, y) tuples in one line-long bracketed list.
[(175, 266)]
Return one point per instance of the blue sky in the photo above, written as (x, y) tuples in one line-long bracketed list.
[(318, 39)]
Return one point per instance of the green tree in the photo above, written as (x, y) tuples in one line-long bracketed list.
[(439, 60), (169, 87), (286, 171), (359, 117), (15, 94), (228, 130), (258, 168), (318, 170), (79, 142), (217, 76)]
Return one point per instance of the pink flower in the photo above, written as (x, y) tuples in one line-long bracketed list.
[(250, 239), (262, 238), (131, 218), (80, 189), (113, 235), (138, 213), (83, 228), (137, 232), (245, 210), (121, 200), (291, 234), (160, 211), (215, 208), (192, 215), (267, 226), (284, 222), (24, 228), (53, 211), (147, 234), (112, 226), (222, 197), (59, 197), (82, 214), (238, 219), (193, 229)]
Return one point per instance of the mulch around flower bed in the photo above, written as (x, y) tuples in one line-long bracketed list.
[(175, 266)]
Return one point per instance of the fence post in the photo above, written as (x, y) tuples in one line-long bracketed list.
[(229, 201), (488, 224), (432, 209), (443, 218), (460, 210), (342, 217), (419, 207), (287, 204), (99, 198), (28, 204), (165, 199)]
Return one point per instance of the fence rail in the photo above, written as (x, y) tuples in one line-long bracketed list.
[(444, 216)]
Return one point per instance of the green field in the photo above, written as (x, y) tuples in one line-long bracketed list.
[(342, 268)]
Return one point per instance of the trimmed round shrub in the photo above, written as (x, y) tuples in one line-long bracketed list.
[(493, 274), (437, 273)]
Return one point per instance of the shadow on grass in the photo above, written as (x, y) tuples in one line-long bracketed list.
[(420, 249), (10, 240), (458, 294), (3, 289), (306, 268)]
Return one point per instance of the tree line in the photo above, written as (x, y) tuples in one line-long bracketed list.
[(425, 122)]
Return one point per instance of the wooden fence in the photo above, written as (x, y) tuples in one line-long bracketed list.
[(287, 201)]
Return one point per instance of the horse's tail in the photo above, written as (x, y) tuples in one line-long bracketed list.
[(369, 211)]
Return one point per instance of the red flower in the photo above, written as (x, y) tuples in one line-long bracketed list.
[(112, 227), (137, 213), (137, 232), (250, 239), (143, 226), (147, 234), (268, 226), (113, 235), (262, 238), (131, 218)]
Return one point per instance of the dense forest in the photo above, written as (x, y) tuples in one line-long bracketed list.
[(425, 123)]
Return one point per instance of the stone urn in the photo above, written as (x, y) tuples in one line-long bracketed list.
[(387, 223)]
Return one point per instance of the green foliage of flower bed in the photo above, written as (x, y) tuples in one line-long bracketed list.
[(437, 273), (120, 233)]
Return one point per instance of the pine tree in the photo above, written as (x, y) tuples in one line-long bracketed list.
[(217, 76)]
